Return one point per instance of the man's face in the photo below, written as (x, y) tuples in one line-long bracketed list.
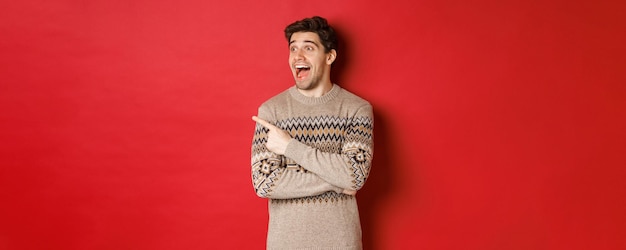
[(308, 60)]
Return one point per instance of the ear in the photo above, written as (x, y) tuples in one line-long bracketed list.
[(331, 56)]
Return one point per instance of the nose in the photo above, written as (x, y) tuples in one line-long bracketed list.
[(298, 54)]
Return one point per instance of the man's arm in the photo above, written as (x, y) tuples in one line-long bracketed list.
[(348, 169), (273, 178)]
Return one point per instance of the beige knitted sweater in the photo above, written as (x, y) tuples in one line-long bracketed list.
[(331, 151)]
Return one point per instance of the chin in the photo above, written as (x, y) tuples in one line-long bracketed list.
[(301, 84), (304, 85)]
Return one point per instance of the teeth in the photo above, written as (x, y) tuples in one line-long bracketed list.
[(301, 67)]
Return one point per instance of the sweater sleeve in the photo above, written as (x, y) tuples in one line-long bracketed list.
[(349, 168), (274, 176)]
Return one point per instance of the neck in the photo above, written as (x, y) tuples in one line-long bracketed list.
[(330, 95), (318, 91)]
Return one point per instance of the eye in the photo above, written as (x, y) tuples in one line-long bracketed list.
[(309, 48), (292, 49)]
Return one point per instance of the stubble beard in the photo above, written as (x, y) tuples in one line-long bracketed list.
[(308, 84)]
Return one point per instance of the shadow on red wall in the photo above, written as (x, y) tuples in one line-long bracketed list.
[(375, 194), (341, 64)]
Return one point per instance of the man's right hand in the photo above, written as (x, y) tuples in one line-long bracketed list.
[(277, 139)]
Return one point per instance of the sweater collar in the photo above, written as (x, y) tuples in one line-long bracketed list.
[(315, 100)]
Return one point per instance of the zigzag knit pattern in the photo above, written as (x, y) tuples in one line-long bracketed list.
[(322, 198), (348, 136)]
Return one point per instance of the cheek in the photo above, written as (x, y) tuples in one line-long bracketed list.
[(290, 61), (314, 59)]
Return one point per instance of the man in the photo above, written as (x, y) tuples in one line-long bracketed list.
[(312, 149)]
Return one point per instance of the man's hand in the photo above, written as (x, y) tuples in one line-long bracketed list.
[(349, 192), (277, 139)]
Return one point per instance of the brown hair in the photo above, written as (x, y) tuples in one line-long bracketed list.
[(317, 25)]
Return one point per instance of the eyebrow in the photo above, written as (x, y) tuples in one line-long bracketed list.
[(306, 41)]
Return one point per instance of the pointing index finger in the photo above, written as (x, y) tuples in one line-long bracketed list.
[(263, 122)]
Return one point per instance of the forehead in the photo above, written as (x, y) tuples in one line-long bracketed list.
[(302, 37)]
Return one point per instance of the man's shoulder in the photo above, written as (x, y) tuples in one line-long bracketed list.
[(354, 99)]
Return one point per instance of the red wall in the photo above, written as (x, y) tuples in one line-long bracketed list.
[(126, 124)]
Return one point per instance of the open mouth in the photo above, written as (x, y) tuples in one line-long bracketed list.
[(302, 71)]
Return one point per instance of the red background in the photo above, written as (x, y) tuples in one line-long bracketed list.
[(126, 124)]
